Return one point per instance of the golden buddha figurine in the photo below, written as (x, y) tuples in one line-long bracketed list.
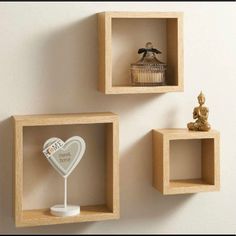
[(201, 114)]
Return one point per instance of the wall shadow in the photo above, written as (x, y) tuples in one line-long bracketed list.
[(6, 155), (69, 80), (139, 199)]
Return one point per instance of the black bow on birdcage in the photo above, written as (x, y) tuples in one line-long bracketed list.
[(145, 50)]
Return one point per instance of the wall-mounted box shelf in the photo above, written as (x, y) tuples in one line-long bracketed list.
[(121, 34), (210, 173), (23, 125)]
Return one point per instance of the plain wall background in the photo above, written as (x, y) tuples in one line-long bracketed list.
[(49, 64)]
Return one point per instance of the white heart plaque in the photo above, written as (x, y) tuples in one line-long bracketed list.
[(64, 156)]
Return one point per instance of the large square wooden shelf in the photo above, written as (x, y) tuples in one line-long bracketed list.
[(106, 211), (120, 36), (210, 174)]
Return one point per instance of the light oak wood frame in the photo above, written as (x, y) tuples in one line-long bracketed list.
[(174, 52), (210, 164), (111, 210)]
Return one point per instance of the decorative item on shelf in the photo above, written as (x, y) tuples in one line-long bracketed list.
[(148, 71), (64, 157), (201, 114)]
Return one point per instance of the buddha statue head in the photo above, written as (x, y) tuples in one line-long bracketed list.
[(201, 98)]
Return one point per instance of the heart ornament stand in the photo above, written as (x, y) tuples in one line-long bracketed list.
[(64, 157)]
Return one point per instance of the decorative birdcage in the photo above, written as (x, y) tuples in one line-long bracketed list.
[(148, 71)]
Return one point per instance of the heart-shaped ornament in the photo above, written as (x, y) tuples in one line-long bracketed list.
[(64, 156)]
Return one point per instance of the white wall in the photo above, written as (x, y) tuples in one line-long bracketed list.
[(49, 64)]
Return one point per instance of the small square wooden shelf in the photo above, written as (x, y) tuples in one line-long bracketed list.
[(37, 217), (121, 34), (210, 174)]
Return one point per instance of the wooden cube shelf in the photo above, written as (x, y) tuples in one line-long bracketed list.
[(121, 34), (37, 217), (210, 173)]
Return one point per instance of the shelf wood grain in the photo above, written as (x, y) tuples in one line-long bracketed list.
[(174, 42), (210, 167), (111, 208), (88, 213)]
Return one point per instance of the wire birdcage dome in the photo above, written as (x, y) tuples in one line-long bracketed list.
[(148, 71)]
